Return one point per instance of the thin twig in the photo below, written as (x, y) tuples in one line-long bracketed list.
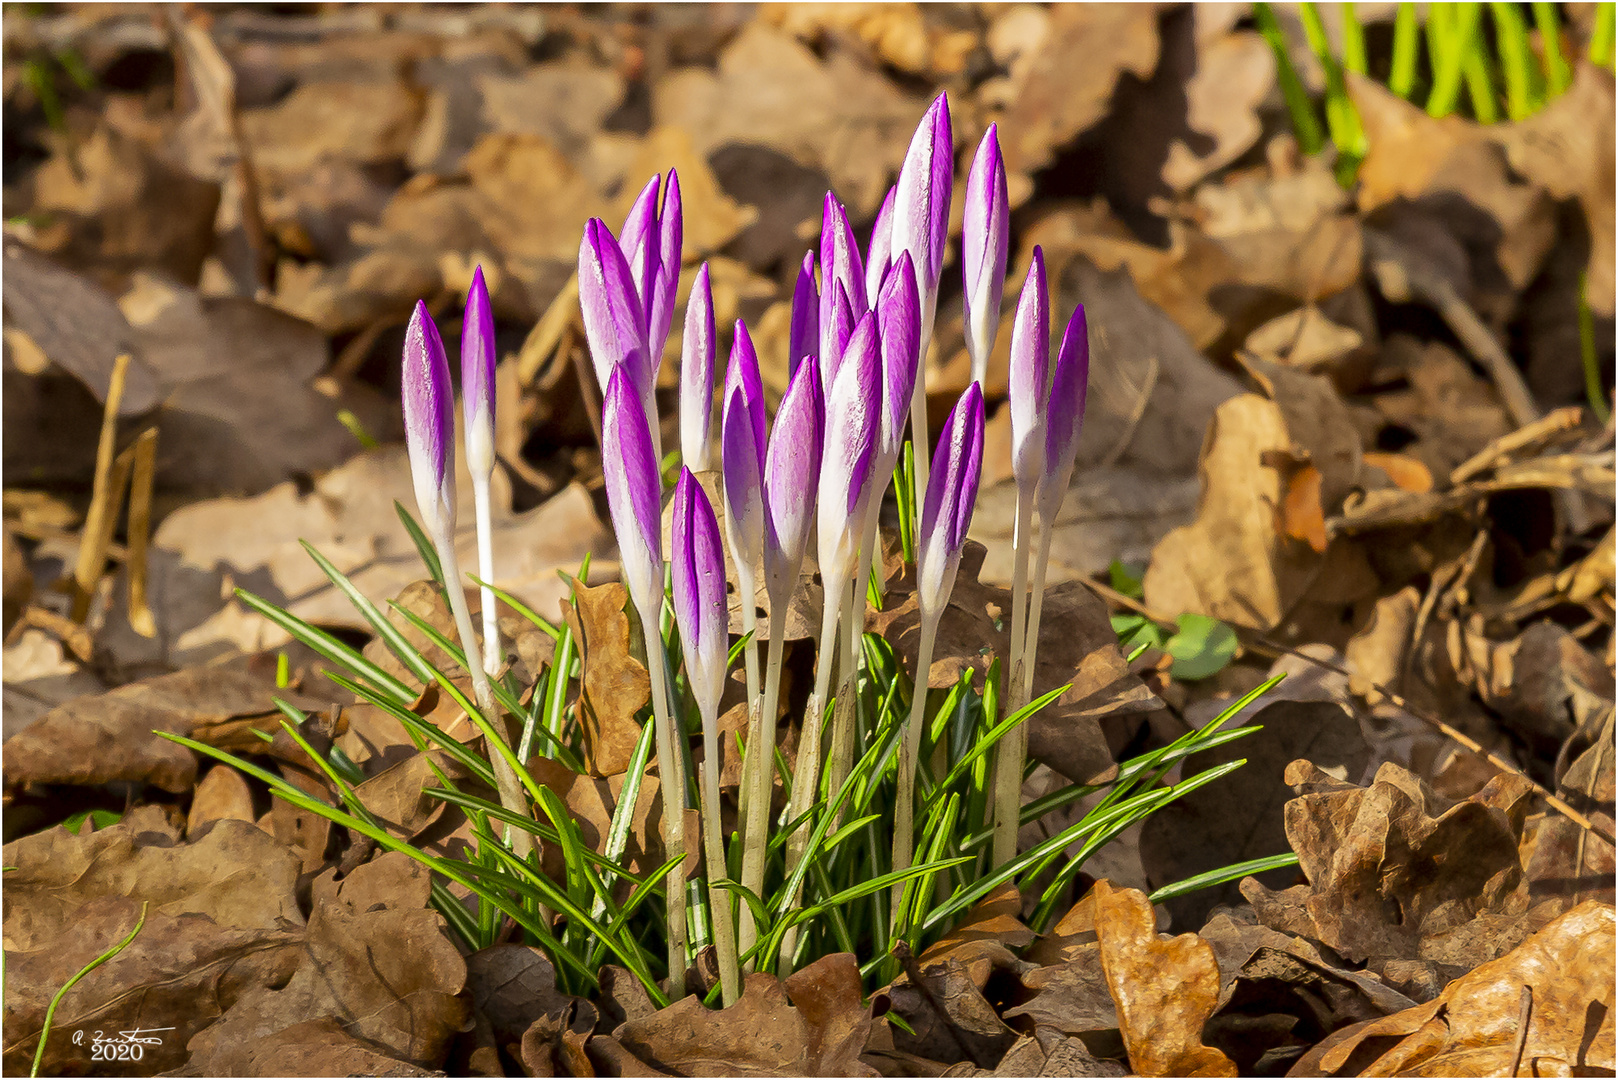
[(1524, 1013)]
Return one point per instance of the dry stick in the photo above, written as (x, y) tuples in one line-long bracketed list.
[(760, 773), (140, 530), (505, 777), (1260, 643), (92, 554), (1524, 1013), (904, 824), (1008, 761), (807, 772), (671, 776)]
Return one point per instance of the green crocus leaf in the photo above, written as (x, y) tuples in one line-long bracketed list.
[(1202, 647)]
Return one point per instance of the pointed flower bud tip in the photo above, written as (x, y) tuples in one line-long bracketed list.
[(921, 204), (792, 469), (985, 231), (1030, 376), (477, 376), (696, 374), (853, 414), (898, 311), (429, 420), (803, 334), (614, 322), (1065, 414)]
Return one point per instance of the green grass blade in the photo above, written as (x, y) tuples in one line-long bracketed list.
[(50, 1010), (328, 646), (1222, 875), (1406, 51), (1353, 42), (395, 641), (1601, 35), (519, 607), (1305, 125), (1558, 75), (424, 546), (1516, 65)]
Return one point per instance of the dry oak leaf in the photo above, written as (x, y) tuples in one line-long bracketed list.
[(616, 684), (375, 958), (813, 1024), (108, 737), (178, 976), (1164, 990), (236, 875), (1397, 872), (1472, 1028)]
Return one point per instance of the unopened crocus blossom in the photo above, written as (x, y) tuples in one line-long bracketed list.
[(841, 268), (835, 334), (696, 375), (879, 256), (920, 227), (803, 332), (430, 441), (700, 612), (985, 230), (1065, 416), (652, 241), (1029, 396), (951, 497), (429, 421), (791, 481), (477, 406), (614, 321), (629, 466)]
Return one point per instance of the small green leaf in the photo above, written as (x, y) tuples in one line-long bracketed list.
[(1202, 647), (1128, 578), (98, 819)]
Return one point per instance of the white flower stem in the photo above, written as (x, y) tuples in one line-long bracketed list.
[(505, 778), (759, 773), (1031, 636), (724, 933), (1013, 745), (841, 761), (492, 653), (904, 818), (806, 775), (746, 585), (671, 778)]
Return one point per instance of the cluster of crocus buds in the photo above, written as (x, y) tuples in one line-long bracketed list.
[(857, 341)]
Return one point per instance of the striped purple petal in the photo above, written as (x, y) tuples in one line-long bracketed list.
[(840, 260), (792, 479), (742, 373), (921, 201), (879, 256), (1065, 414), (614, 322), (803, 335), (477, 376), (696, 374), (952, 491), (898, 313), (834, 335), (700, 605), (853, 416), (742, 459), (660, 302), (429, 417), (639, 236), (985, 231), (1030, 376), (633, 491)]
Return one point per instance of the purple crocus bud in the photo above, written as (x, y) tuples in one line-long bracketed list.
[(660, 296), (878, 257), (853, 417), (700, 606), (834, 335), (477, 377), (840, 260), (952, 493), (803, 335), (1030, 376), (921, 202), (1065, 414), (742, 373), (984, 234), (792, 479), (614, 321), (429, 416), (696, 374), (742, 458), (898, 315), (638, 238), (633, 491)]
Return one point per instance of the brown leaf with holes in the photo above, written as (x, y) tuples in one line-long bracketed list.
[(616, 684), (1164, 990), (1473, 1029)]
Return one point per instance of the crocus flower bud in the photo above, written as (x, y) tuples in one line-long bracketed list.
[(1065, 414), (633, 491), (834, 335), (639, 236), (614, 322), (792, 479), (898, 315), (477, 377), (921, 202), (696, 374), (742, 373), (1030, 376), (742, 458), (660, 298), (839, 260), (700, 605), (429, 418), (853, 416), (803, 334), (878, 257), (984, 234), (952, 492)]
